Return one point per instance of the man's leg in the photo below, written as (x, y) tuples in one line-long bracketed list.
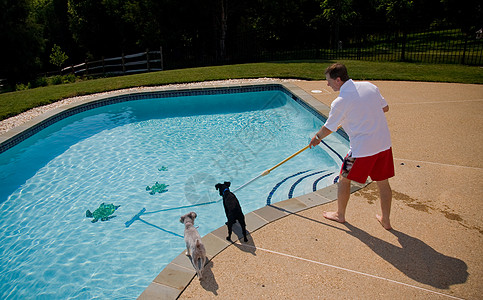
[(343, 194), (385, 193)]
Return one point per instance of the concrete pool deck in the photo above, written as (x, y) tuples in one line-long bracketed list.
[(433, 252)]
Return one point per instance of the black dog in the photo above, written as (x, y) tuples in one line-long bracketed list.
[(233, 210)]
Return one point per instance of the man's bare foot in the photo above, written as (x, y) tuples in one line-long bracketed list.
[(385, 224), (334, 216)]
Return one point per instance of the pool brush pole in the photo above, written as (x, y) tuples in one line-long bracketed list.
[(252, 180), (266, 172)]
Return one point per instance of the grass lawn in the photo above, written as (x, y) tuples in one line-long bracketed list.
[(13, 103)]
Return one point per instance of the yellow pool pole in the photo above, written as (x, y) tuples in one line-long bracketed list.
[(266, 172)]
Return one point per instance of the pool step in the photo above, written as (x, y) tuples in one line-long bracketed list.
[(298, 181)]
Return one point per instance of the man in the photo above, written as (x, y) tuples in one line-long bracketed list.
[(359, 110)]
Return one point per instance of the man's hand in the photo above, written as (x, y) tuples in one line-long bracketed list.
[(323, 132), (314, 142)]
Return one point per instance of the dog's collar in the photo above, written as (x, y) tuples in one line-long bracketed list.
[(224, 191)]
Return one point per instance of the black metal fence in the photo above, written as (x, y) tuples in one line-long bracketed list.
[(430, 46), (442, 46)]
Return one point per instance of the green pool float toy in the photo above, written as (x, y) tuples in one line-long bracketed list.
[(103, 213), (157, 188)]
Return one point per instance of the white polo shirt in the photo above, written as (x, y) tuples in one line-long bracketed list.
[(358, 109)]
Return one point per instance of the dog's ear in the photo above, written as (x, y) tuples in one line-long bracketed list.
[(193, 215), (181, 220), (217, 186), (227, 183)]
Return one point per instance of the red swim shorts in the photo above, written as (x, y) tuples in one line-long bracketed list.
[(379, 167)]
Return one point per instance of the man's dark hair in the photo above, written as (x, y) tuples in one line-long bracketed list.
[(337, 70)]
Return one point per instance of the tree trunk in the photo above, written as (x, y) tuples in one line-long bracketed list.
[(223, 29)]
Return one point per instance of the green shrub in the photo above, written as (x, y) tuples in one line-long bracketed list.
[(55, 80), (41, 81), (69, 78), (22, 87)]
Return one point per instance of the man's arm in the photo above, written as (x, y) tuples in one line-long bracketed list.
[(321, 134)]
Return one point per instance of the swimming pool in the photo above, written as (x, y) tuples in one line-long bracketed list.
[(186, 140)]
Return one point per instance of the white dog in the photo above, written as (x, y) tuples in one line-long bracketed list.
[(194, 246)]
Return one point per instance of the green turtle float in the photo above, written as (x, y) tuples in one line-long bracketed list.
[(157, 188), (104, 212)]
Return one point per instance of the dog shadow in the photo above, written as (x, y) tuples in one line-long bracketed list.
[(249, 246), (208, 282), (416, 259)]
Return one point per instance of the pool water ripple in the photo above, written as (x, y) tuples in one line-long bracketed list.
[(110, 155)]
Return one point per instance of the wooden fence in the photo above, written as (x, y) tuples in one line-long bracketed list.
[(125, 64)]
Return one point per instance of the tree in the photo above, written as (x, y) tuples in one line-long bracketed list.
[(467, 15), (337, 12), (22, 42), (96, 26), (282, 23), (58, 57), (398, 12), (223, 28), (52, 16)]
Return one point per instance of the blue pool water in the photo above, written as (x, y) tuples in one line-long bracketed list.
[(50, 250)]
